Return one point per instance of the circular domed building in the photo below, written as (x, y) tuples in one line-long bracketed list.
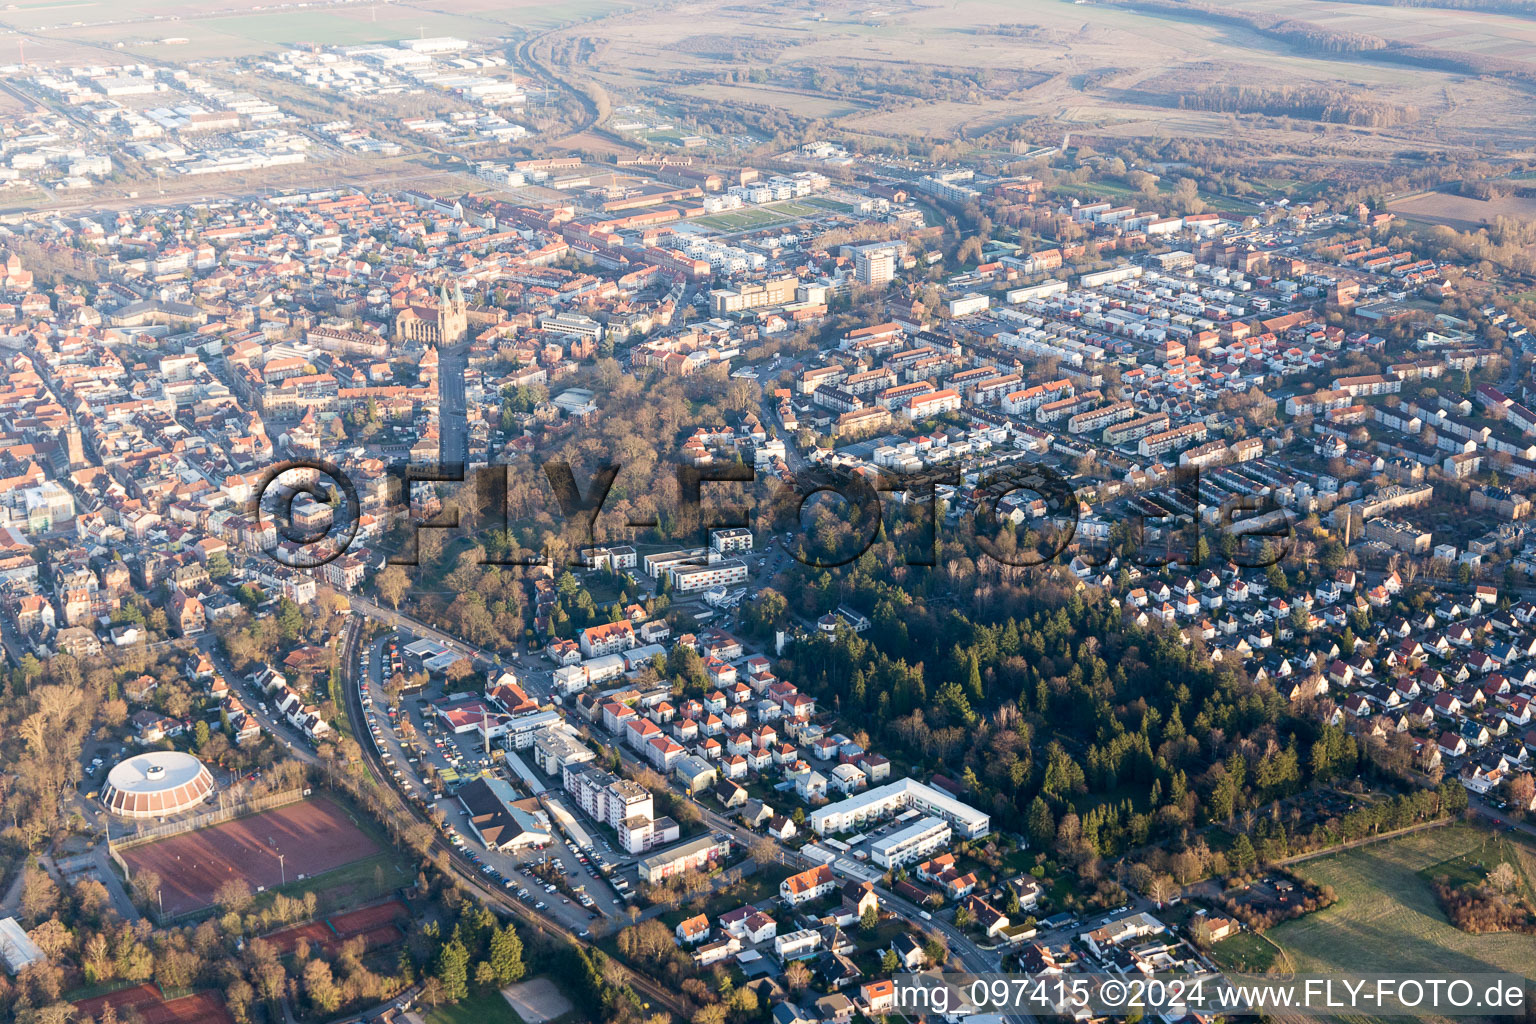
[(156, 784)]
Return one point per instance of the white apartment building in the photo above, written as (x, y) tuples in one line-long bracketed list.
[(731, 540), (724, 573), (919, 840), (893, 798), (609, 638)]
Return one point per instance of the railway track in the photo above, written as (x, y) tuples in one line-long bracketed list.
[(499, 900)]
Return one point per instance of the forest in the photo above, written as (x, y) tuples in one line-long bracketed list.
[(1334, 106), (1094, 737)]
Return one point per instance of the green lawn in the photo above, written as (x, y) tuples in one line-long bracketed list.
[(490, 1008), (826, 204), (743, 219), (1386, 918), (783, 212), (351, 885), (1471, 867), (1244, 952)]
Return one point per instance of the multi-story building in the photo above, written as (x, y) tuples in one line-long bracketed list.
[(724, 573), (874, 266), (553, 749), (1171, 440), (773, 292), (690, 856), (729, 540), (808, 885), (912, 842), (892, 798), (608, 638), (934, 403)]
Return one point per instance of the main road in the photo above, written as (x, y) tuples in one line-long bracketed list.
[(452, 415)]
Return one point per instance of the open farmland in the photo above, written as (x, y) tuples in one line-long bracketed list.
[(1462, 212), (924, 69), (1475, 32), (805, 103), (1386, 918), (901, 72), (236, 28)]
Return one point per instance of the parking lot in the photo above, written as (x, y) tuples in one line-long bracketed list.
[(459, 759)]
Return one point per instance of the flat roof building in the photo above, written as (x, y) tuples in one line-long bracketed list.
[(904, 794), (689, 856), (923, 837)]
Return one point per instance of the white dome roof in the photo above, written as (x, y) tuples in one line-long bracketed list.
[(156, 783)]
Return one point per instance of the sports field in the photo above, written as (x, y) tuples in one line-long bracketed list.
[(143, 1002), (1386, 918), (787, 211), (297, 841), (377, 926)]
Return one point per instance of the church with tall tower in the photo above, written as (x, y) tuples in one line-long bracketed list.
[(445, 323)]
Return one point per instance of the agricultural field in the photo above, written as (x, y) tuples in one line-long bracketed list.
[(1496, 35), (1110, 68), (1386, 918), (76, 29), (1461, 212), (1106, 67), (1473, 866), (808, 104)]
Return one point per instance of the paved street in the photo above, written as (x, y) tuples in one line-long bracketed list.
[(453, 437)]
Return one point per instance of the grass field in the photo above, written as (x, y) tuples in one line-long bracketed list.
[(1244, 952), (744, 219), (749, 218), (490, 1008), (362, 881), (1461, 212), (1472, 867), (826, 204), (1386, 918)]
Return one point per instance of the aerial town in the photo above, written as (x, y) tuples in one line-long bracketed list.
[(672, 586)]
